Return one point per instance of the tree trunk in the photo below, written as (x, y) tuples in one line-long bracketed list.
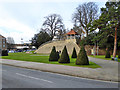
[(86, 33), (115, 43)]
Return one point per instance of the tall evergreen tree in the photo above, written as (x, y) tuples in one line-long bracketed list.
[(40, 38), (109, 22), (74, 54), (64, 56)]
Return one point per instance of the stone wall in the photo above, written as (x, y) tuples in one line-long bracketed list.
[(46, 48)]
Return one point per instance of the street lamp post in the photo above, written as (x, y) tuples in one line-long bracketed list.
[(96, 43), (97, 48)]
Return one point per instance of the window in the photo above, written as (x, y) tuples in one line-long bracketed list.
[(3, 42), (3, 46)]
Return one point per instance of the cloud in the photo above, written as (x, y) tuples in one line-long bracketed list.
[(40, 1), (13, 28), (21, 20)]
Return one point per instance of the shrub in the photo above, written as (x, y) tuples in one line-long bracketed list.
[(119, 54), (58, 55), (74, 54), (64, 56), (82, 58), (53, 55), (107, 54), (4, 53)]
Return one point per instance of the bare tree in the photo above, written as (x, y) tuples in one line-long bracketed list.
[(52, 24), (10, 40), (10, 43), (85, 14), (80, 31)]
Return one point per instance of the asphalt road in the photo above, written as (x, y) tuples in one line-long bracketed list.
[(15, 77)]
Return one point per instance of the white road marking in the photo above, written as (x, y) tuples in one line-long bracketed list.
[(72, 76), (33, 77)]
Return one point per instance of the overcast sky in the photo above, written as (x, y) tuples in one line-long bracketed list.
[(23, 18)]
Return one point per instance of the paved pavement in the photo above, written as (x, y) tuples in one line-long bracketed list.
[(108, 72), (109, 67), (16, 77)]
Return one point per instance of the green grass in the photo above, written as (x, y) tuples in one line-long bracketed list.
[(44, 59), (32, 51), (103, 57)]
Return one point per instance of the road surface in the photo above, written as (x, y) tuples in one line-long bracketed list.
[(16, 77)]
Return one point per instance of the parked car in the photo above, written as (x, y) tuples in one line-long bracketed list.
[(11, 51), (19, 50)]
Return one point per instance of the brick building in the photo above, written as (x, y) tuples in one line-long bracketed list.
[(3, 43)]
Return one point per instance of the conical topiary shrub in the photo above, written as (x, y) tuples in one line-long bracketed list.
[(64, 56), (74, 54), (53, 55), (107, 54), (58, 56), (82, 58)]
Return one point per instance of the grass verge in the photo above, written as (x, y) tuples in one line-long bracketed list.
[(44, 59)]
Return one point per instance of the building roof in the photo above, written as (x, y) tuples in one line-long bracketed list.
[(72, 32), (2, 36)]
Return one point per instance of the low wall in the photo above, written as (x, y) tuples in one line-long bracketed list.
[(101, 51), (89, 49)]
